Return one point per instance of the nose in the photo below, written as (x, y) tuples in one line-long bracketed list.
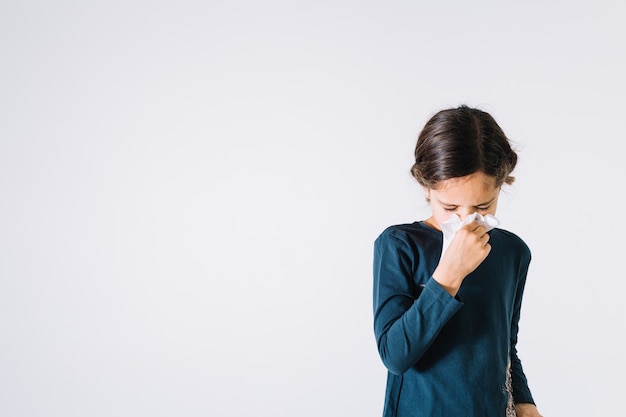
[(463, 213)]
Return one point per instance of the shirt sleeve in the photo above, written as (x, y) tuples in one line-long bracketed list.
[(407, 316), (521, 391)]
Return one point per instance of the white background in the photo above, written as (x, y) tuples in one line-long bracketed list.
[(190, 191)]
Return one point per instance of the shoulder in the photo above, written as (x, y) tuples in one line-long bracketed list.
[(402, 232), (408, 247), (510, 241), (414, 235)]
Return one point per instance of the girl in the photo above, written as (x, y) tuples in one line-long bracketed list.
[(446, 323)]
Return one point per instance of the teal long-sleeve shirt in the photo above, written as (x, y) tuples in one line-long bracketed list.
[(448, 356)]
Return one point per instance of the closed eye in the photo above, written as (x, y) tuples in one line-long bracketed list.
[(479, 208)]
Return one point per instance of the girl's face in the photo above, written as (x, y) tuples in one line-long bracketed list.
[(476, 192)]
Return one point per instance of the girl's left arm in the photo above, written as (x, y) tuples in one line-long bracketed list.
[(524, 403)]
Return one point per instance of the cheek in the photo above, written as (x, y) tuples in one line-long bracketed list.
[(440, 215)]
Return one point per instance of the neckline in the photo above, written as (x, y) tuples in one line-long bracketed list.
[(429, 227)]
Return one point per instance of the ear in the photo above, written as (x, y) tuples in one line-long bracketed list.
[(426, 193)]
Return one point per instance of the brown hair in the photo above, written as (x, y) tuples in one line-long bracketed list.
[(460, 141)]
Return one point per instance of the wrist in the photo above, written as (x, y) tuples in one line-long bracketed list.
[(447, 281)]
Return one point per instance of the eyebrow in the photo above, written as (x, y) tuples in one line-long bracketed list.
[(486, 203)]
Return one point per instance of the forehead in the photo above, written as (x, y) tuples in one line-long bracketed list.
[(472, 189), (475, 180)]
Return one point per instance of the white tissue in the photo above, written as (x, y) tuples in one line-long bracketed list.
[(454, 223)]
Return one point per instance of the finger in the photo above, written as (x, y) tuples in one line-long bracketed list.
[(472, 226), (476, 227)]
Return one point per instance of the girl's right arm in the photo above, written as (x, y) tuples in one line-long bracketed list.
[(407, 317)]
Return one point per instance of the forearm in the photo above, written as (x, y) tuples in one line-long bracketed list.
[(403, 340)]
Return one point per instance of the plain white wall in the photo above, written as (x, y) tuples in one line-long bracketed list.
[(189, 194)]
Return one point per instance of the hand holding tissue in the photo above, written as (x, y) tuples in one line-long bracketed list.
[(454, 223)]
